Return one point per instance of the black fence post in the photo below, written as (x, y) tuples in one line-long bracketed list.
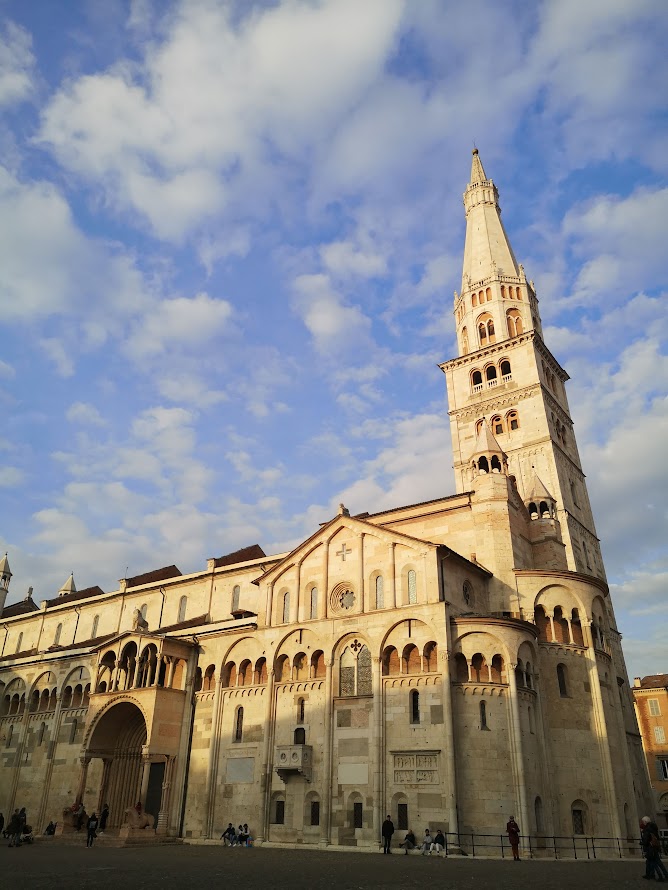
[(554, 841), (473, 844), (503, 852)]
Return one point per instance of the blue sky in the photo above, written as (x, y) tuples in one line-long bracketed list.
[(229, 238)]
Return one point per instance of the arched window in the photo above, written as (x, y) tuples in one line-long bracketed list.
[(300, 710), (412, 587), (579, 817), (561, 679), (430, 657), (496, 671), (476, 381), (286, 607), (56, 639), (490, 375), (300, 666), (183, 605), (483, 716), (355, 670), (314, 602), (497, 425), (19, 642), (506, 373), (300, 736), (279, 811), (474, 300), (514, 319), (513, 420), (315, 812), (238, 725), (414, 697), (261, 671), (465, 341), (96, 622), (486, 333), (379, 592), (488, 294), (391, 661), (318, 668), (209, 681), (411, 659), (236, 595), (574, 494)]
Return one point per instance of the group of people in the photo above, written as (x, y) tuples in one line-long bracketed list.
[(429, 844), (237, 837), (17, 827), (436, 844)]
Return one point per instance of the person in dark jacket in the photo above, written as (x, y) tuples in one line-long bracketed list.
[(651, 848), (513, 832), (14, 830), (387, 831), (91, 827), (409, 842), (104, 815)]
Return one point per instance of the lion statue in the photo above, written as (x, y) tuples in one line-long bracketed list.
[(138, 820), (138, 621)]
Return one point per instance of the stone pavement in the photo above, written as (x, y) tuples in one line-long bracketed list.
[(42, 866)]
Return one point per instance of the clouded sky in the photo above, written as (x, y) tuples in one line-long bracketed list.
[(229, 238)]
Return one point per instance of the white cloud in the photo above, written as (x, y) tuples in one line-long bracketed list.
[(16, 64), (56, 351), (333, 325), (6, 370), (84, 413), (181, 323), (169, 137), (11, 477)]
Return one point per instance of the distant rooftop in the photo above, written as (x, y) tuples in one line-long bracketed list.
[(76, 595), (20, 608), (246, 554), (652, 681), (163, 574)]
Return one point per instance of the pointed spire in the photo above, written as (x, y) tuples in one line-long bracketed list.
[(488, 456), (487, 250), (5, 574), (68, 587), (4, 566), (539, 502), (477, 169)]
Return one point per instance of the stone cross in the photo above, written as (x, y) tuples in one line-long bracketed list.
[(343, 551)]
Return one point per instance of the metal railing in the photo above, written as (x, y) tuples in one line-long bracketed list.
[(543, 846)]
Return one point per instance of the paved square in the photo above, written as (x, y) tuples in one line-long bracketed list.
[(78, 868)]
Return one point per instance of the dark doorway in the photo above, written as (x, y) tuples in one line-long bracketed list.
[(154, 793)]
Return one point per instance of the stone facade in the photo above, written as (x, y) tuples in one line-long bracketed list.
[(651, 702), (452, 662)]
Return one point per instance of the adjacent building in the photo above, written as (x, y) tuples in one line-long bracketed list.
[(651, 700), (451, 662)]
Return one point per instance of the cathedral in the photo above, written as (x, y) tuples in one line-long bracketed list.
[(451, 662)]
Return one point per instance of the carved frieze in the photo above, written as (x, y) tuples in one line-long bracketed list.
[(415, 767)]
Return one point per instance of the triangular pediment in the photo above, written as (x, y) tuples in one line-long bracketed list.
[(331, 529)]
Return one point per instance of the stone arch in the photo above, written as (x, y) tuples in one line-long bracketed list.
[(15, 697)]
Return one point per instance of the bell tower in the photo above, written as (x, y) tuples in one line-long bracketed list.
[(506, 377)]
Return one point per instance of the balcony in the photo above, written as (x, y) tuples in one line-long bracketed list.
[(294, 760)]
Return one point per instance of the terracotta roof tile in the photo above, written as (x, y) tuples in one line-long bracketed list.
[(243, 555), (77, 595), (654, 680), (191, 622), (21, 608), (163, 574)]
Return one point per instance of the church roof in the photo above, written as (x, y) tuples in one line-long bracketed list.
[(75, 595), (21, 608), (180, 625), (163, 574), (538, 491), (246, 554)]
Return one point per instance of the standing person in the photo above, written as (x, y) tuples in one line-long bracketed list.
[(104, 815), (409, 841), (2, 823), (387, 831), (513, 832), (651, 848), (14, 830), (92, 830), (427, 842)]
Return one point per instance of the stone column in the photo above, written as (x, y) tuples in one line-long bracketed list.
[(83, 775), (394, 599), (364, 593), (545, 761), (517, 758), (270, 603), (295, 607), (570, 631), (450, 753), (212, 770), (376, 752), (267, 759), (106, 769), (326, 822), (322, 600), (600, 724), (553, 639), (50, 759), (145, 772), (162, 820)]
